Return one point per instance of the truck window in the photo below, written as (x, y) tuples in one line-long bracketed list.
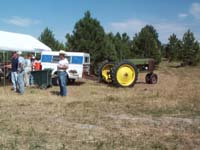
[(46, 58), (87, 60), (77, 60), (55, 59)]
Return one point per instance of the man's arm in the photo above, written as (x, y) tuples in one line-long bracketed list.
[(63, 67), (8, 66)]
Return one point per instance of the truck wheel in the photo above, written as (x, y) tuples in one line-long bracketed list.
[(72, 81), (55, 81), (104, 72), (124, 74)]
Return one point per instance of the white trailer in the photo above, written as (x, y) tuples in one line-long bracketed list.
[(79, 64)]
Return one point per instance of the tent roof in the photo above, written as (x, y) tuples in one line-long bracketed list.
[(20, 42)]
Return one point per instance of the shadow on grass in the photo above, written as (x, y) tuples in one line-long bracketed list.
[(76, 83), (113, 86), (57, 93), (175, 66), (140, 82)]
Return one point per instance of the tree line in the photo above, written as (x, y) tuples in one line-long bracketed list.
[(89, 36)]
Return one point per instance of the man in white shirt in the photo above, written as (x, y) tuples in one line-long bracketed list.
[(20, 72), (27, 69), (62, 75)]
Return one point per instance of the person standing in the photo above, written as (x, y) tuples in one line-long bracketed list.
[(27, 69), (32, 69), (14, 66), (62, 75), (20, 73)]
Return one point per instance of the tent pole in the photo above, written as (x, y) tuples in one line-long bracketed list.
[(4, 73)]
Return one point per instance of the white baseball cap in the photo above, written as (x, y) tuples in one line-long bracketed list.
[(19, 52)]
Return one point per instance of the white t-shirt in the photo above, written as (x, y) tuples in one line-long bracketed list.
[(27, 63), (62, 63), (21, 61)]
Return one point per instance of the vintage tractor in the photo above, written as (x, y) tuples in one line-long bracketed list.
[(125, 73)]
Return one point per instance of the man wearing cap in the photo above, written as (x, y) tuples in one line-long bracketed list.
[(13, 66), (62, 75), (20, 72)]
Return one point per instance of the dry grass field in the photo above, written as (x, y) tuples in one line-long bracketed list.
[(95, 116)]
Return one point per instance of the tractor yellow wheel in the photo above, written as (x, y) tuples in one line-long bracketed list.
[(124, 74), (104, 72)]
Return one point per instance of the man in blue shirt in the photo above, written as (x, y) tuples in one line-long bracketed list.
[(14, 66)]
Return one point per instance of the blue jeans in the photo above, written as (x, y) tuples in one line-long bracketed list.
[(20, 81), (14, 80), (31, 81), (62, 79)]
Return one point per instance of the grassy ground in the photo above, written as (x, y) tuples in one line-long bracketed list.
[(96, 116)]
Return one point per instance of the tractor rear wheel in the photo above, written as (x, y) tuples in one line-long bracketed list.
[(104, 72), (124, 74)]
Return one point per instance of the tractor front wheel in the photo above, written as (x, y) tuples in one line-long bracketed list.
[(151, 78)]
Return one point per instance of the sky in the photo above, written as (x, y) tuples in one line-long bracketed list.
[(167, 16)]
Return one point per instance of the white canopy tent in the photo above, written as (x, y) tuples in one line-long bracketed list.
[(10, 41)]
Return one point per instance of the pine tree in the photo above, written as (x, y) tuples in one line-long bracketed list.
[(190, 50), (146, 44), (89, 36), (47, 37), (174, 48)]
